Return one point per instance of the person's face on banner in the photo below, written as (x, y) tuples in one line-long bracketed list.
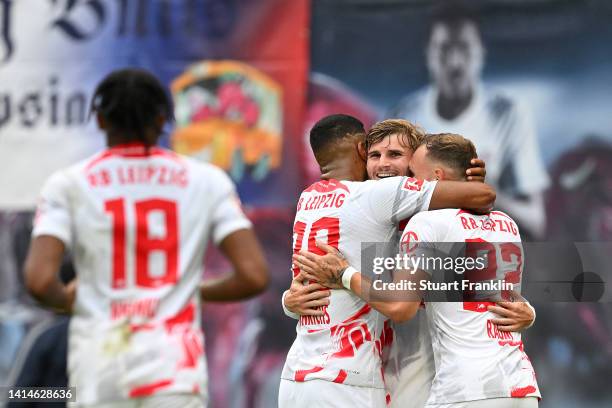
[(454, 58), (388, 158)]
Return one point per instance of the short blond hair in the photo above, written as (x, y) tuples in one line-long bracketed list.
[(451, 149), (411, 135)]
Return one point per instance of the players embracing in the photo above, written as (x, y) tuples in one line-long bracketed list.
[(336, 357), (476, 364)]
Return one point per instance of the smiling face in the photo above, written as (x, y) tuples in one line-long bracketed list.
[(388, 158)]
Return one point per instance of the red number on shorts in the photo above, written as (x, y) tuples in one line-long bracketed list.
[(476, 248), (144, 243), (330, 224)]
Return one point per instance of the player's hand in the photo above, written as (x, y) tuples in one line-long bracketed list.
[(515, 315), (326, 269), (306, 300), (477, 172)]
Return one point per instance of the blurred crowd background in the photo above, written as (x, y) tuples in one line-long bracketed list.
[(530, 82)]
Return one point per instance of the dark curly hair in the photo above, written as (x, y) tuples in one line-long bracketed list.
[(130, 101)]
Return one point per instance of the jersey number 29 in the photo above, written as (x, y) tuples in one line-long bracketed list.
[(330, 224)]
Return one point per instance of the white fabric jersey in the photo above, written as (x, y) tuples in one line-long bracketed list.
[(410, 368), (408, 361), (321, 393), (409, 364), (345, 345), (473, 359), (138, 225), (502, 131)]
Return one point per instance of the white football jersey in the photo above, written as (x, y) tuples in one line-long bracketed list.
[(346, 343), (409, 368), (138, 224), (409, 363), (473, 359)]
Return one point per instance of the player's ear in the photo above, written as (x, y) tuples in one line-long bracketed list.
[(361, 150), (439, 173)]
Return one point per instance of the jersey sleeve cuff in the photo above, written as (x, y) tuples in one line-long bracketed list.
[(60, 233), (228, 227), (427, 197)]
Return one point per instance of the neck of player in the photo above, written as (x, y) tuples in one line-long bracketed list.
[(343, 168)]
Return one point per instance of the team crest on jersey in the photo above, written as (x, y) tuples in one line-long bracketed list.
[(412, 184), (229, 114), (409, 242)]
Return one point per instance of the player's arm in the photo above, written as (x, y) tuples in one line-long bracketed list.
[(250, 270), (393, 199), (478, 197), (52, 232), (41, 271), (234, 235), (332, 270)]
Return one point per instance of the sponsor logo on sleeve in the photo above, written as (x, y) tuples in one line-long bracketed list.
[(412, 184)]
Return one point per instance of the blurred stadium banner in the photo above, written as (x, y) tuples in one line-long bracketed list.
[(239, 74)]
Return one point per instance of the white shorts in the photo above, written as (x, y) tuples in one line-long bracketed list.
[(157, 401), (321, 393), (529, 402)]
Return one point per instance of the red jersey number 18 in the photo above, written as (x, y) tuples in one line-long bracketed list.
[(167, 244)]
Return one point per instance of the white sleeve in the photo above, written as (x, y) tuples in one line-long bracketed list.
[(525, 161), (53, 211), (394, 199), (419, 230), (227, 214), (424, 237)]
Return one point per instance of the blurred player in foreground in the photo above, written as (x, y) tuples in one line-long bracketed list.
[(329, 364), (477, 365), (409, 363), (137, 219)]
